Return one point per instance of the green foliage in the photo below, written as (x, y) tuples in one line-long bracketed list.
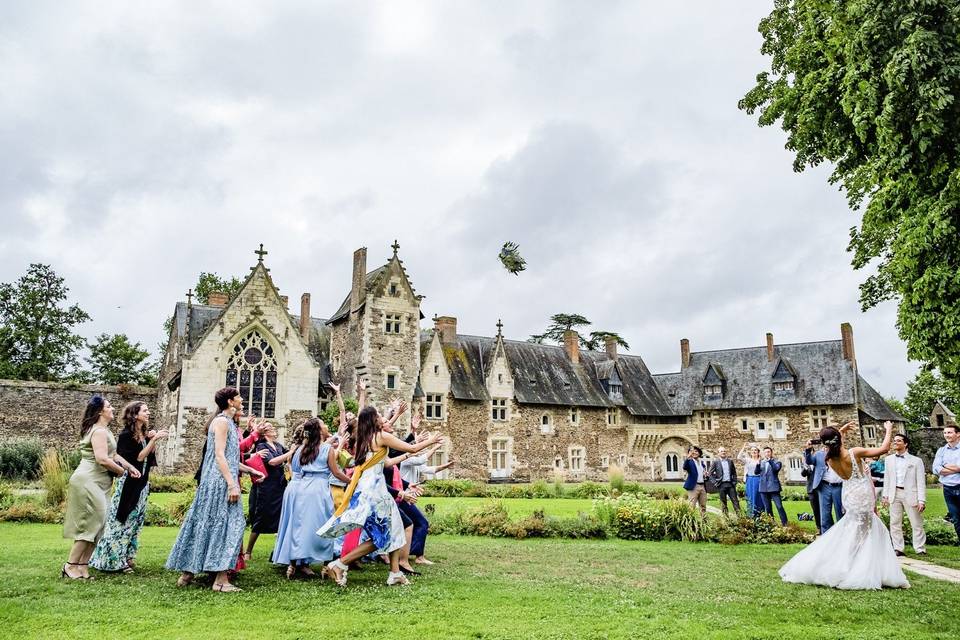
[(615, 476), (55, 478), (208, 283), (331, 415), (871, 87), (632, 518), (540, 489), (925, 389), (20, 459), (178, 507), (28, 509), (171, 484), (511, 259), (683, 521), (6, 495), (598, 340), (37, 341), (762, 530), (587, 490), (492, 519), (158, 516), (115, 360)]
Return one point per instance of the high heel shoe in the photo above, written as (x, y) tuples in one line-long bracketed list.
[(64, 574)]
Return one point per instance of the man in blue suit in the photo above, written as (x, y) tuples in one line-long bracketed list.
[(696, 476), (770, 484), (827, 484)]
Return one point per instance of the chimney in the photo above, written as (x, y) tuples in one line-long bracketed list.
[(305, 317), (684, 354), (446, 326), (846, 336), (611, 344), (358, 289), (217, 299), (770, 347), (571, 344)]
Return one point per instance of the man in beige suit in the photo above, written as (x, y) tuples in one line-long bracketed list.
[(904, 488)]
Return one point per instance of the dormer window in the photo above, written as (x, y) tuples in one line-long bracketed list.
[(713, 383), (784, 377), (616, 389), (713, 389), (783, 386)]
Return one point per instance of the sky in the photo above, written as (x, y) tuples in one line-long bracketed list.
[(144, 143)]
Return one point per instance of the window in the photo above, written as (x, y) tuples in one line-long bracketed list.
[(391, 323), (786, 385), (622, 460), (252, 368), (393, 289), (574, 415), (500, 377), (672, 463), (604, 462), (779, 429), (744, 424), (434, 406), (705, 420), (713, 389), (613, 418), (499, 409), (546, 425), (558, 463), (939, 419), (391, 381), (436, 369), (795, 468), (577, 455), (761, 429), (499, 448), (870, 432), (336, 362), (616, 389), (819, 418)]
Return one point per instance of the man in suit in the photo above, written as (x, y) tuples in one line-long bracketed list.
[(770, 484), (813, 495), (724, 474), (904, 488), (827, 484), (696, 476)]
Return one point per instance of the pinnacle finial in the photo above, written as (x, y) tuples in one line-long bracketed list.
[(396, 247), (260, 253), (500, 328), (190, 296)]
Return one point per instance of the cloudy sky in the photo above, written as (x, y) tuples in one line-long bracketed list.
[(143, 143)]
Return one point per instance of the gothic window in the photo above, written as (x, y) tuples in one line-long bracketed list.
[(499, 409), (252, 368), (673, 463), (391, 323), (434, 406), (786, 385), (393, 289)]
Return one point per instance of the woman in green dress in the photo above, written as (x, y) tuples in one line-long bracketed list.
[(90, 485)]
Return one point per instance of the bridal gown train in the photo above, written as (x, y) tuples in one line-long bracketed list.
[(856, 552)]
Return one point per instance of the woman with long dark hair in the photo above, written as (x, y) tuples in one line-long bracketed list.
[(367, 504), (856, 552), (211, 535), (90, 485), (117, 549), (307, 502)]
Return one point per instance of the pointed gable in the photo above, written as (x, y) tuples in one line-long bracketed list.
[(713, 375), (783, 371)]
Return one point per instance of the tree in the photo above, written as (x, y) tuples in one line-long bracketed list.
[(115, 360), (37, 341), (925, 389), (208, 283), (598, 340), (331, 415), (871, 86), (560, 323)]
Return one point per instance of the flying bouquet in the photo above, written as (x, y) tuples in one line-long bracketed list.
[(511, 258)]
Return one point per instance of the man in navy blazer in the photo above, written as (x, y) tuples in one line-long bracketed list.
[(828, 485), (770, 484), (696, 476)]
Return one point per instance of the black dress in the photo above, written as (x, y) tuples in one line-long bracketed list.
[(266, 497)]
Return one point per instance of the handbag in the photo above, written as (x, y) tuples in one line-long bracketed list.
[(256, 462), (709, 485)]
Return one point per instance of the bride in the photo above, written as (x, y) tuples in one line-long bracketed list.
[(855, 553)]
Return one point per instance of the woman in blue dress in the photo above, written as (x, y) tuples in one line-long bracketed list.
[(211, 535), (367, 504), (307, 503)]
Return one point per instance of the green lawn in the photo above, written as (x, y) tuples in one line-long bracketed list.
[(480, 588)]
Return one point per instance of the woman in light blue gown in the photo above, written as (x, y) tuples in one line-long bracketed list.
[(307, 503)]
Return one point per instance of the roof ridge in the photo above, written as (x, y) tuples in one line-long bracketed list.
[(784, 344)]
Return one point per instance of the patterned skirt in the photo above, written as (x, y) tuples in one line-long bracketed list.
[(120, 540)]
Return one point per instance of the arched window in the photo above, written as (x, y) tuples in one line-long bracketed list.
[(673, 463), (252, 368)]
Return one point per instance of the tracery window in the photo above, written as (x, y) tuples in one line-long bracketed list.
[(252, 368)]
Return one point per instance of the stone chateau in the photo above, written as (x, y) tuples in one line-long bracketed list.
[(511, 410)]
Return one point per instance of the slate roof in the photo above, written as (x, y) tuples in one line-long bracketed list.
[(822, 377), (344, 309), (542, 374)]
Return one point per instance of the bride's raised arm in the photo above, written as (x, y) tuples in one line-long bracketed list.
[(874, 452)]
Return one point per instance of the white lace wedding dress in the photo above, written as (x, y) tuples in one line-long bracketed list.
[(856, 552)]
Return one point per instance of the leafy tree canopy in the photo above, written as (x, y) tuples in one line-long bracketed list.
[(922, 392), (208, 283), (37, 339), (560, 323), (871, 86), (115, 360), (331, 415)]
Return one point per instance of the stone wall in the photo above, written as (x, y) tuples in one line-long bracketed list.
[(51, 411)]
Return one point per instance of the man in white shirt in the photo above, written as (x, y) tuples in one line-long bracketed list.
[(946, 465), (904, 488), (724, 474), (413, 467)]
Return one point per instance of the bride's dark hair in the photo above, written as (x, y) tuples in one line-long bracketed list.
[(830, 438)]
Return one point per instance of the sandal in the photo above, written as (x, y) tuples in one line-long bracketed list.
[(225, 587), (184, 580), (64, 574), (307, 571), (336, 574), (397, 579), (127, 569), (291, 571)]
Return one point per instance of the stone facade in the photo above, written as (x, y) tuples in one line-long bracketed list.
[(51, 411)]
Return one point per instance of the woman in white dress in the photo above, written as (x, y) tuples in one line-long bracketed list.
[(856, 552)]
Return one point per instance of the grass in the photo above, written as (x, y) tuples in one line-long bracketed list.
[(480, 588)]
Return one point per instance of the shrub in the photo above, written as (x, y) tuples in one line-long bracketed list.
[(540, 489), (662, 493), (558, 485), (584, 526), (615, 476), (179, 506), (55, 479), (517, 491), (631, 517), (20, 459), (588, 490), (762, 530), (489, 519), (71, 458), (158, 516), (683, 521), (533, 526), (6, 495), (30, 510), (938, 534), (452, 489), (171, 484)]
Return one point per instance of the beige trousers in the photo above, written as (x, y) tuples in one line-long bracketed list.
[(897, 507), (698, 497)]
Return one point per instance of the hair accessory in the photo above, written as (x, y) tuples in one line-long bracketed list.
[(831, 441), (96, 401)]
